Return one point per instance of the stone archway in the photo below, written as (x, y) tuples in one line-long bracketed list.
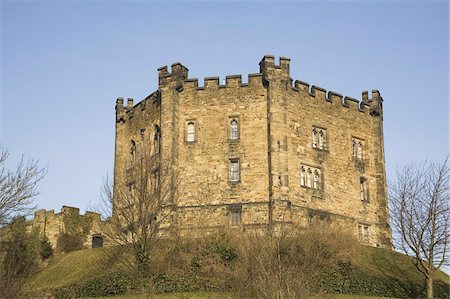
[(97, 241)]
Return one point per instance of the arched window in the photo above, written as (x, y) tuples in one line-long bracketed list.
[(316, 180), (360, 151), (321, 140), (302, 176), (190, 132), (354, 148), (157, 139), (308, 178), (234, 129), (314, 138), (133, 152)]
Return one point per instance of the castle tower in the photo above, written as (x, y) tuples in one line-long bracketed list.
[(258, 155)]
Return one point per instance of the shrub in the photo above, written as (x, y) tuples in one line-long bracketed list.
[(290, 262), (21, 257), (67, 242), (46, 248)]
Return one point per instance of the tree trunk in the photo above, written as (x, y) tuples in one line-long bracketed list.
[(430, 286)]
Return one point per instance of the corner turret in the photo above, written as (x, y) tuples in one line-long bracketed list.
[(269, 69), (178, 73)]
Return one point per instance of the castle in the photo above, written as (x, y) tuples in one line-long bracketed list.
[(258, 154)]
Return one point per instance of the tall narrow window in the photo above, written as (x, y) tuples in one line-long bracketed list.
[(235, 218), (308, 178), (133, 152), (357, 148), (364, 233), (354, 148), (363, 189), (314, 138), (321, 140), (156, 139), (302, 176), (234, 129), (190, 132), (360, 150), (234, 170), (316, 180)]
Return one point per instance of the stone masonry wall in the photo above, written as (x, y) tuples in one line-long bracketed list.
[(276, 118)]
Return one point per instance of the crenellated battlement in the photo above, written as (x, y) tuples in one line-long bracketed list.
[(52, 224), (269, 71), (314, 91), (231, 81)]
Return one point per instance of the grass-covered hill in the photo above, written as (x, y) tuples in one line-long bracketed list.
[(220, 265)]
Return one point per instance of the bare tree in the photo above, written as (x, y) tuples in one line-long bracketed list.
[(139, 206), (18, 187), (420, 216)]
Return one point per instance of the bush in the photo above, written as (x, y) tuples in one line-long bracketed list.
[(116, 283), (291, 262), (46, 248), (68, 242), (21, 257)]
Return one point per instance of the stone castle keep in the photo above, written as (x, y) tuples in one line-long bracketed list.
[(259, 154)]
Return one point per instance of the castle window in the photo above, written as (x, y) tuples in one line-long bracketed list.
[(310, 177), (133, 152), (316, 179), (234, 129), (314, 138), (234, 170), (302, 176), (157, 139), (364, 233), (235, 218), (363, 190), (357, 148), (190, 132), (354, 148), (360, 151), (319, 138)]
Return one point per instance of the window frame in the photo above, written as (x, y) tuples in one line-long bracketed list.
[(319, 138), (133, 152), (358, 148), (188, 133), (156, 140), (238, 128), (311, 177), (235, 216), (363, 190), (232, 171)]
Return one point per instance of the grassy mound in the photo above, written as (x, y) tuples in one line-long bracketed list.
[(214, 267)]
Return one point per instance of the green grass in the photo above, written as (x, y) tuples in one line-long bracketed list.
[(72, 267), (376, 272), (220, 295)]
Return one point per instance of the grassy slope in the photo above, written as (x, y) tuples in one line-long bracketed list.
[(73, 267), (86, 264)]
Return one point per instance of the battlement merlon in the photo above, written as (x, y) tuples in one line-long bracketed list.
[(178, 73), (269, 69), (120, 111)]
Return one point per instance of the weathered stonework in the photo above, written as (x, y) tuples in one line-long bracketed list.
[(51, 225), (275, 138)]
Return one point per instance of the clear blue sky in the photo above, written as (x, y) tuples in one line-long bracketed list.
[(63, 64)]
